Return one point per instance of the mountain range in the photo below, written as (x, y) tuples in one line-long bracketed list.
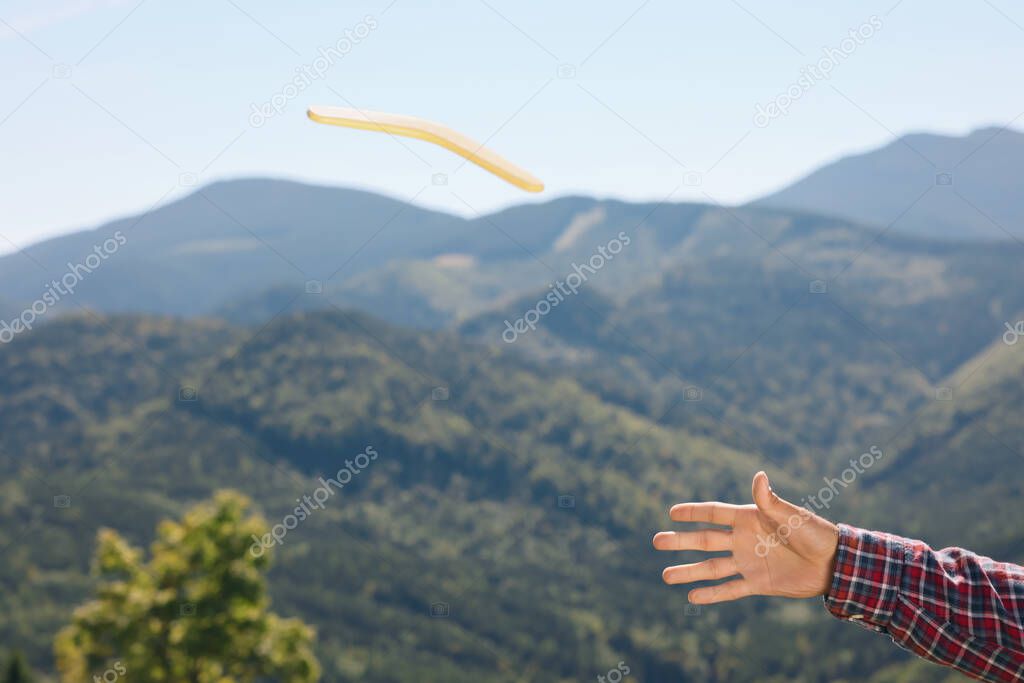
[(541, 384)]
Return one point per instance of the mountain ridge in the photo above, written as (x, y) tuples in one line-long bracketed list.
[(940, 186)]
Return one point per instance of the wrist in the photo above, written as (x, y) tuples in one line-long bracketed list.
[(831, 557), (866, 576)]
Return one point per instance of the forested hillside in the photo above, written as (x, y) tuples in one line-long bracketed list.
[(504, 489)]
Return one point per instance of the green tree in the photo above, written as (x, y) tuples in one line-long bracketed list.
[(196, 611), (16, 670)]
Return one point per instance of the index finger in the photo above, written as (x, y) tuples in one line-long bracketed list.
[(715, 513)]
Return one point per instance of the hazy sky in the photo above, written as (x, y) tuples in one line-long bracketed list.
[(109, 106)]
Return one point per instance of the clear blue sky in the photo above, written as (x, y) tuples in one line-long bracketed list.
[(106, 103)]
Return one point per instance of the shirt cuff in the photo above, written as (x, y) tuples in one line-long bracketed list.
[(867, 576)]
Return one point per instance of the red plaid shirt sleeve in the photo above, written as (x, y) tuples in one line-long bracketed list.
[(949, 606)]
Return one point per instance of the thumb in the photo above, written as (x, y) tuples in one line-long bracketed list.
[(769, 502)]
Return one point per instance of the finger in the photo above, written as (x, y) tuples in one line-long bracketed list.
[(770, 503), (723, 592), (716, 513), (707, 539), (708, 570)]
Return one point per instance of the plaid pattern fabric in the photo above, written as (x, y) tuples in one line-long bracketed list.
[(949, 606)]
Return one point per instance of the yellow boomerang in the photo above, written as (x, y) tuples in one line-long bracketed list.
[(421, 129)]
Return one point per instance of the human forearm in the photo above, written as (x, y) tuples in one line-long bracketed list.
[(950, 606)]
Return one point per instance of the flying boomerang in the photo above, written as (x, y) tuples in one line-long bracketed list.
[(430, 131)]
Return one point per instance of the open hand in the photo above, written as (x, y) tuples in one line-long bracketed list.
[(778, 548)]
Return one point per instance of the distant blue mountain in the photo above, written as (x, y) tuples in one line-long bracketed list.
[(227, 239), (933, 185)]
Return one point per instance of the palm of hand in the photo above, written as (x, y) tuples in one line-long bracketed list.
[(777, 548), (777, 561)]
